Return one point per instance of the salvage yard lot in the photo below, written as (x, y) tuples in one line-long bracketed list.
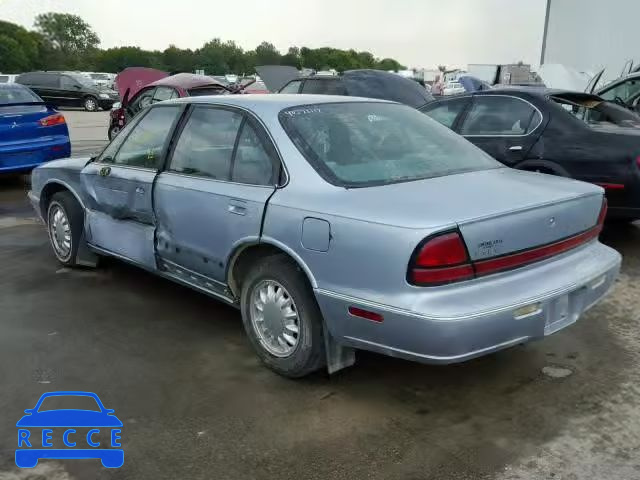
[(195, 402)]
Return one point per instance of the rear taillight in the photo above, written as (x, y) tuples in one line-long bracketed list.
[(51, 120), (440, 260), (603, 213), (443, 258)]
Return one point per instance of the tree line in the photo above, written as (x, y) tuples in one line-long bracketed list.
[(61, 41)]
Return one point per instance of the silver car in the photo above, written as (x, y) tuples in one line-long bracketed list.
[(335, 224)]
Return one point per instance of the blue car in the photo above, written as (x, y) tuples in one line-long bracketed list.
[(31, 132), (42, 426)]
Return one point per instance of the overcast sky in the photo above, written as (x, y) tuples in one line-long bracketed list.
[(418, 33)]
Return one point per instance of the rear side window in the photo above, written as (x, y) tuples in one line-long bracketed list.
[(205, 147), (500, 115), (323, 87), (145, 144), (252, 163), (446, 112), (358, 144), (291, 87)]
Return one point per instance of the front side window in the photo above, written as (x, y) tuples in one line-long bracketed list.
[(142, 100), (358, 144), (205, 147), (291, 87), (500, 115), (446, 112), (164, 93), (144, 146), (622, 92)]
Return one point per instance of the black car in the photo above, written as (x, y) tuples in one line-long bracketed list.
[(565, 133), (355, 83), (67, 89)]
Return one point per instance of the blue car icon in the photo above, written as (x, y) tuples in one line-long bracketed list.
[(36, 433)]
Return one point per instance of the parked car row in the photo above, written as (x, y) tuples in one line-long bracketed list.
[(68, 89)]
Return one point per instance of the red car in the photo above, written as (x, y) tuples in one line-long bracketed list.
[(140, 87)]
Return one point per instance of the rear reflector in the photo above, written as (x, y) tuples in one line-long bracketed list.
[(443, 259), (366, 314), (611, 186), (508, 262), (51, 120)]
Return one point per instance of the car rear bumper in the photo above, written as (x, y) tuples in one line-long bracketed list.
[(475, 318), (26, 156)]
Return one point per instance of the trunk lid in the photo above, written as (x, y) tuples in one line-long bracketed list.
[(498, 211), (21, 122)]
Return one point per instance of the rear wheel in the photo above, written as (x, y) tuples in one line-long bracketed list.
[(65, 221), (90, 104), (281, 317)]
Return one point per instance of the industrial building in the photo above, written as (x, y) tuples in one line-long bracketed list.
[(589, 35)]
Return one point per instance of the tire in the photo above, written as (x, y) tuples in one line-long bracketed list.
[(308, 353), (90, 104), (113, 131), (65, 203)]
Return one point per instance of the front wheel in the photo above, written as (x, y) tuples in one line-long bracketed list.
[(282, 318), (90, 104), (65, 222)]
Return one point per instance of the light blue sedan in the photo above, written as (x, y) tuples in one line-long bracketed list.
[(335, 224)]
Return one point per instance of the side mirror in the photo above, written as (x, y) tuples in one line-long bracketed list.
[(29, 410), (109, 411), (77, 87)]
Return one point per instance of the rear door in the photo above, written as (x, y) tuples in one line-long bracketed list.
[(212, 196), (47, 86), (504, 126), (119, 185)]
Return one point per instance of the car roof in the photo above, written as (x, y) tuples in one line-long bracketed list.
[(274, 101), (187, 80)]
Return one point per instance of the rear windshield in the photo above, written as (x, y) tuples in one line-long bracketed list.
[(13, 93), (99, 76), (368, 143), (200, 92), (595, 111)]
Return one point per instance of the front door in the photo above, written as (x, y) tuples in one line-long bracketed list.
[(119, 185), (504, 126), (213, 194)]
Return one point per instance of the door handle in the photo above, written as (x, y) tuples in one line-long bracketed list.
[(515, 148), (139, 190), (237, 207), (105, 171)]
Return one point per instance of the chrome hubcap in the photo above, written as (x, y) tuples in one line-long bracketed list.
[(274, 317), (60, 232), (90, 104)]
